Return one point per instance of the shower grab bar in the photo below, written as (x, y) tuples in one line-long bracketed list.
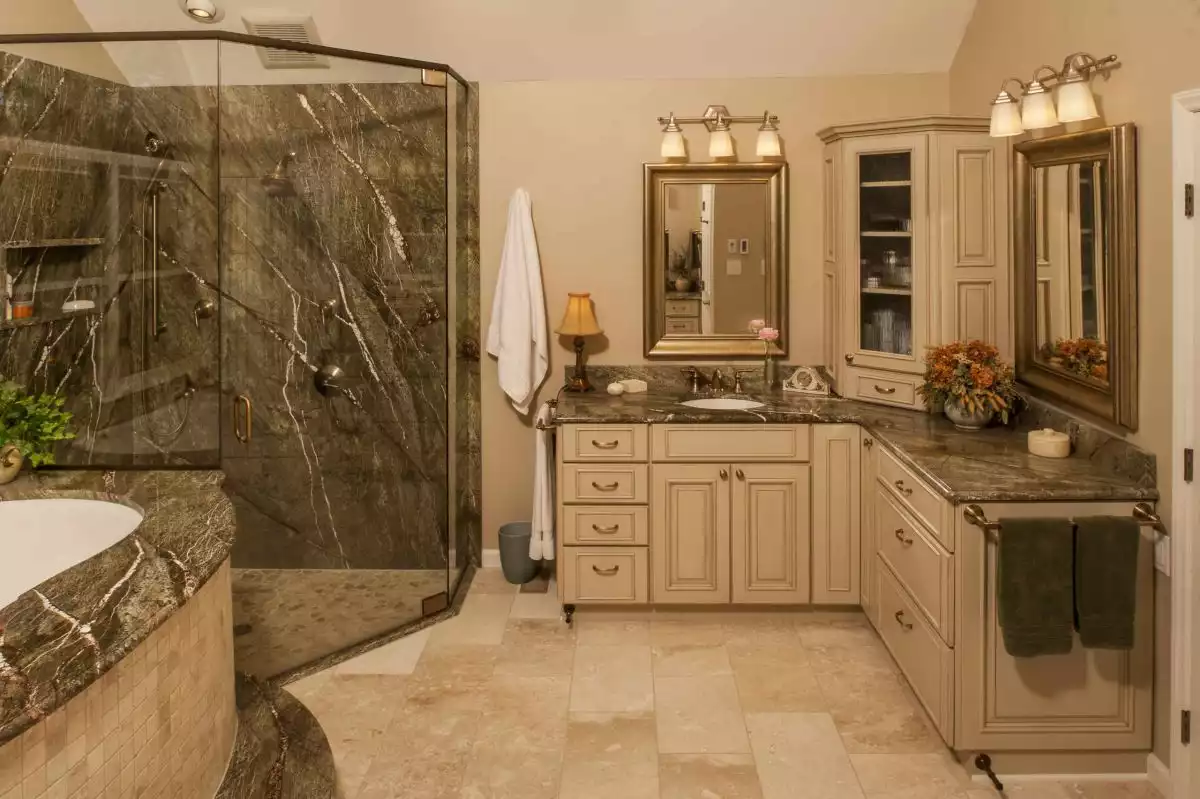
[(1143, 512), (241, 400)]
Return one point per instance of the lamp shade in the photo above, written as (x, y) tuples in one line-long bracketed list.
[(580, 318), (720, 143), (1037, 108), (1075, 102), (768, 144), (1006, 116), (672, 145)]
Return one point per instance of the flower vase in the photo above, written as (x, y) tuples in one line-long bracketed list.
[(770, 373), (964, 419)]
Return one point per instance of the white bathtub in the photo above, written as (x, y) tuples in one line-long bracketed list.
[(41, 537)]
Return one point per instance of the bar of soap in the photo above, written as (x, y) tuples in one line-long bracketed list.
[(1048, 443), (634, 386)]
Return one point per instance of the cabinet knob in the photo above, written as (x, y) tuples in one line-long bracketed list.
[(903, 539), (849, 356), (868, 442), (907, 625), (724, 474), (740, 474), (900, 487)]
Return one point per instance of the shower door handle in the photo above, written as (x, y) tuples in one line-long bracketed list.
[(243, 418)]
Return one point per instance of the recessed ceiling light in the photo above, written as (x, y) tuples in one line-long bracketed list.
[(202, 10)]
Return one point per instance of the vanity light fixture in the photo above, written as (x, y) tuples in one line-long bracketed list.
[(1037, 109), (718, 120)]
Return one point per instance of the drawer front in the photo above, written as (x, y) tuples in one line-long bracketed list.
[(605, 575), (726, 443), (925, 660), (890, 390), (922, 565), (683, 307), (605, 442), (917, 498), (683, 325), (601, 485), (605, 526)]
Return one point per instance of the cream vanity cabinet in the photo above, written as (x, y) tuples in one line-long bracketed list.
[(933, 601), (916, 247)]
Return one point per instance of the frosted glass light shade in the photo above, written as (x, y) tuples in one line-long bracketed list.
[(1075, 102), (768, 144), (1006, 117), (1037, 108), (673, 145), (720, 144)]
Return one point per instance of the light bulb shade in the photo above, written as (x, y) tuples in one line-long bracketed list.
[(768, 144), (673, 145), (1037, 108), (720, 144), (580, 318), (203, 10), (1075, 102), (1006, 117)]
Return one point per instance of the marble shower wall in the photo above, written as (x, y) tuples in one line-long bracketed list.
[(469, 443)]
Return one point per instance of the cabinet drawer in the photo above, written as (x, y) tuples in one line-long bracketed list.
[(605, 575), (891, 390), (605, 442), (683, 307), (921, 564), (925, 660), (916, 497), (726, 443), (604, 484), (683, 325), (605, 526)]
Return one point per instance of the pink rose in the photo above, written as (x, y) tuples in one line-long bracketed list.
[(757, 325), (768, 334)]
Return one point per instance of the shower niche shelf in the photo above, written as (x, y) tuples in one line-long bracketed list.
[(33, 321), (39, 244)]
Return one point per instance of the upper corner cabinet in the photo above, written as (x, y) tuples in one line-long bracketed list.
[(916, 248)]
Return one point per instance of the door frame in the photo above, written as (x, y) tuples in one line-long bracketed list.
[(1185, 499)]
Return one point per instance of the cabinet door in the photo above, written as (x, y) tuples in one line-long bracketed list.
[(690, 533), (869, 525), (771, 534), (885, 253), (836, 513)]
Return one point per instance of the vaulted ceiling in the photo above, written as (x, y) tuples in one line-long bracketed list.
[(496, 40)]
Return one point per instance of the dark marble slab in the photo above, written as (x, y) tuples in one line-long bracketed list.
[(992, 465), (56, 639)]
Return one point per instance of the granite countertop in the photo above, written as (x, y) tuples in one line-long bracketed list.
[(992, 465), (58, 638)]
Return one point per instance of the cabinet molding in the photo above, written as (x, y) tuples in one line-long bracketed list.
[(690, 533), (836, 511), (770, 532)]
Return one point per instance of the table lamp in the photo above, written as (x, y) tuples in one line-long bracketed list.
[(579, 321)]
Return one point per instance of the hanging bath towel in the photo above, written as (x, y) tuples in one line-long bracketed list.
[(541, 543), (517, 335)]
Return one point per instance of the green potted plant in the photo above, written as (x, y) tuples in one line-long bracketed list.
[(30, 427), (969, 382)]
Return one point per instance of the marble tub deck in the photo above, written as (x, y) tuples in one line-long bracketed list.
[(506, 702), (990, 465), (59, 637)]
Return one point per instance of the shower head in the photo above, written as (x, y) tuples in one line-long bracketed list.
[(278, 182)]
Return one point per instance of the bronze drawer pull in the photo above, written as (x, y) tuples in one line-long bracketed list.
[(899, 618), (606, 530), (606, 486), (881, 390), (868, 443), (604, 444), (724, 474), (607, 572), (740, 474), (899, 487), (900, 536)]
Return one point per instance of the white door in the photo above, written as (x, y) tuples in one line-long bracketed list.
[(708, 199)]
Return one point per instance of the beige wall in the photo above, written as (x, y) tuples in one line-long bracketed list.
[(578, 148), (56, 16), (1154, 40)]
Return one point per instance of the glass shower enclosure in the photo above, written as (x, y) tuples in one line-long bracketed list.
[(247, 254)]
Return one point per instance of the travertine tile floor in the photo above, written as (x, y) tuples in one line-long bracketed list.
[(506, 701)]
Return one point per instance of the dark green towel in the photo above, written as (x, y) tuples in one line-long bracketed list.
[(1035, 586), (1106, 566)]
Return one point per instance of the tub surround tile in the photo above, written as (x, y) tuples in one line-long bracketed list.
[(62, 636), (991, 465)]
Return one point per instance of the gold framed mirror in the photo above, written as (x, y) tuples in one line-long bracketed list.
[(715, 254), (1076, 291)]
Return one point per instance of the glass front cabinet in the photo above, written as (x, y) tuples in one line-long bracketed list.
[(916, 249)]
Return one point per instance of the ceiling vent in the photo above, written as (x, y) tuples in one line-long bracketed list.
[(292, 28)]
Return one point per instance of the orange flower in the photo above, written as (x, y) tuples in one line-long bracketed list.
[(982, 376)]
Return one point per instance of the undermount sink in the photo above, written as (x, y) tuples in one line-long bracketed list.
[(722, 404)]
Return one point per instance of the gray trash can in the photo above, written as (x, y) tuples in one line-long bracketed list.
[(518, 567)]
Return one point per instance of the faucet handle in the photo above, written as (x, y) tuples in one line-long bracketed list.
[(737, 378), (694, 374)]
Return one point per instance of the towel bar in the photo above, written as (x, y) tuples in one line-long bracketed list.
[(1143, 512), (539, 424)]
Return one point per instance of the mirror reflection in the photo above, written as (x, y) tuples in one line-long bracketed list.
[(716, 250), (1072, 218)]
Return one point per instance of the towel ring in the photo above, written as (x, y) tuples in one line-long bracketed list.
[(1143, 512)]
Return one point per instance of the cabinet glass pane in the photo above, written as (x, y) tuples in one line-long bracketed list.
[(885, 252)]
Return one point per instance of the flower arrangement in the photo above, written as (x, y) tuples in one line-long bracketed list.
[(32, 424), (766, 335), (970, 374), (1086, 357)]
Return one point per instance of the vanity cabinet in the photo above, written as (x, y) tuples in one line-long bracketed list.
[(837, 514), (916, 247), (690, 533)]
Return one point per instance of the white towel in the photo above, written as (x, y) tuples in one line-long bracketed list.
[(518, 336), (541, 543)]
